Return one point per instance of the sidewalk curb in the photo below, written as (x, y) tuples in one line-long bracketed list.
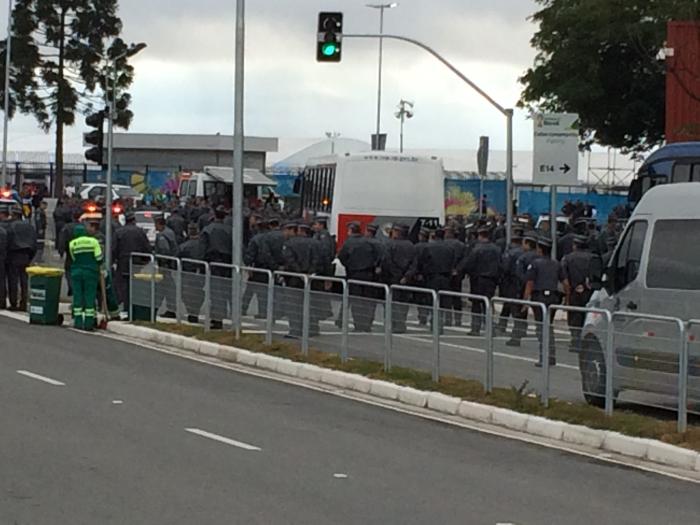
[(614, 442)]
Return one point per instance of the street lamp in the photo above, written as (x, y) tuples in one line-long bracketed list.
[(332, 136), (110, 145), (405, 112), (8, 62), (381, 8)]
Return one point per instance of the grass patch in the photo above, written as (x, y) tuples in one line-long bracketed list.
[(521, 398)]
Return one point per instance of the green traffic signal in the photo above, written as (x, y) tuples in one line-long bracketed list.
[(329, 49)]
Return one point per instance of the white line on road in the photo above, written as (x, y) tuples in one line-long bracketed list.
[(222, 439), (40, 378)]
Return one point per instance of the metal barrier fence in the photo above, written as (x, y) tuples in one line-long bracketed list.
[(578, 353)]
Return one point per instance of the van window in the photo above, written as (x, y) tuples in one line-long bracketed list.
[(681, 173), (629, 255), (674, 259), (184, 188), (696, 173), (192, 188)]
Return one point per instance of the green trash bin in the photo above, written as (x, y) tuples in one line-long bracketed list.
[(44, 295)]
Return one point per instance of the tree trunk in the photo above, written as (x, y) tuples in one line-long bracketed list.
[(58, 178)]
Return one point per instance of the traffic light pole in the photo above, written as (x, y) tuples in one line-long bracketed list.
[(110, 148), (508, 113), (238, 149), (8, 63)]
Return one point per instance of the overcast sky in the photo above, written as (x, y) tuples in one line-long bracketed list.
[(184, 78)]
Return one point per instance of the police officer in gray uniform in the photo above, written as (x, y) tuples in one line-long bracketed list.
[(580, 270), (522, 263), (437, 264), (361, 258), (166, 245), (193, 277), (257, 281), (127, 240), (216, 245), (421, 300), (299, 257), (4, 246), (510, 286), (398, 268), (459, 250), (483, 264), (22, 247), (543, 277)]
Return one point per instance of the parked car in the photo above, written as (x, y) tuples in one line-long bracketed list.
[(94, 191)]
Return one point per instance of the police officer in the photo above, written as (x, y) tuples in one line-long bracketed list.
[(22, 247), (257, 281), (272, 243), (361, 258), (178, 224), (459, 250), (192, 274), (167, 246), (325, 253), (4, 246), (542, 286), (565, 245), (216, 245), (299, 257), (421, 300), (580, 269), (127, 240), (510, 286), (398, 268), (483, 264), (522, 263), (438, 265)]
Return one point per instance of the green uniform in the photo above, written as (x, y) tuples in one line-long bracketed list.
[(86, 259)]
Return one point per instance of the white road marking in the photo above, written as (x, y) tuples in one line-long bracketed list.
[(40, 378), (117, 402), (340, 476), (222, 439)]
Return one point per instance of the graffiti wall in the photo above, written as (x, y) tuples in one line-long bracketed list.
[(155, 184), (462, 196)]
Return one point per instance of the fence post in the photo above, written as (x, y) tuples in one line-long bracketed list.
[(207, 297), (345, 322), (683, 381), (306, 313), (609, 366), (488, 308), (129, 307), (154, 267), (437, 328), (270, 314), (178, 292), (545, 354), (388, 343)]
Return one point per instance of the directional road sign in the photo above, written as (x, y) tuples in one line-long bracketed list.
[(556, 149)]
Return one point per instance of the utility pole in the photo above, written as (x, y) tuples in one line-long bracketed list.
[(332, 136), (381, 8), (6, 124), (405, 111), (238, 149), (508, 113)]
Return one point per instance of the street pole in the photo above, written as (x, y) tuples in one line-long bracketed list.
[(110, 162), (403, 118), (6, 124), (238, 149), (381, 8), (508, 113), (553, 220)]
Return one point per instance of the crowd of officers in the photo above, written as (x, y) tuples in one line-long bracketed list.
[(19, 244), (442, 259)]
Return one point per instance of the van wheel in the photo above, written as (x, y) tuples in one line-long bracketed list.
[(593, 373)]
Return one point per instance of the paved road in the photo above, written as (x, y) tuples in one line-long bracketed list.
[(95, 431)]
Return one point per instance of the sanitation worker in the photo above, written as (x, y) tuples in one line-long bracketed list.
[(86, 262)]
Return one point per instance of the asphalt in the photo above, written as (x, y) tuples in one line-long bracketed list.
[(111, 446)]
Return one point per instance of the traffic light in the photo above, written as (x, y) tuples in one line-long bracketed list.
[(330, 37), (95, 138)]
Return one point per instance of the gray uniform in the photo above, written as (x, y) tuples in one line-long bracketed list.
[(510, 285), (578, 269), (4, 245), (545, 274), (437, 264), (127, 240), (299, 257), (399, 262), (166, 245), (22, 246), (193, 278), (360, 257), (216, 245), (483, 264)]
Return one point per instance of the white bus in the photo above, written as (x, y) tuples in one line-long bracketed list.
[(374, 188)]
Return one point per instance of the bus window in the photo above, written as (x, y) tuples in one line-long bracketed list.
[(681, 173), (209, 189)]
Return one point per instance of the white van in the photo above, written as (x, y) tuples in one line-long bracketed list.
[(655, 269), (215, 181)]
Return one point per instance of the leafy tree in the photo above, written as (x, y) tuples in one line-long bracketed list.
[(61, 51), (600, 59)]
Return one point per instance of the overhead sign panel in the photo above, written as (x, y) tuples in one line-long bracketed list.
[(556, 153)]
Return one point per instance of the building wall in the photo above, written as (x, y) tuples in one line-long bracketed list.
[(683, 82), (188, 160)]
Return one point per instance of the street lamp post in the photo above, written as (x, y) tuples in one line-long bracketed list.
[(8, 62), (405, 112), (332, 136), (381, 8)]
